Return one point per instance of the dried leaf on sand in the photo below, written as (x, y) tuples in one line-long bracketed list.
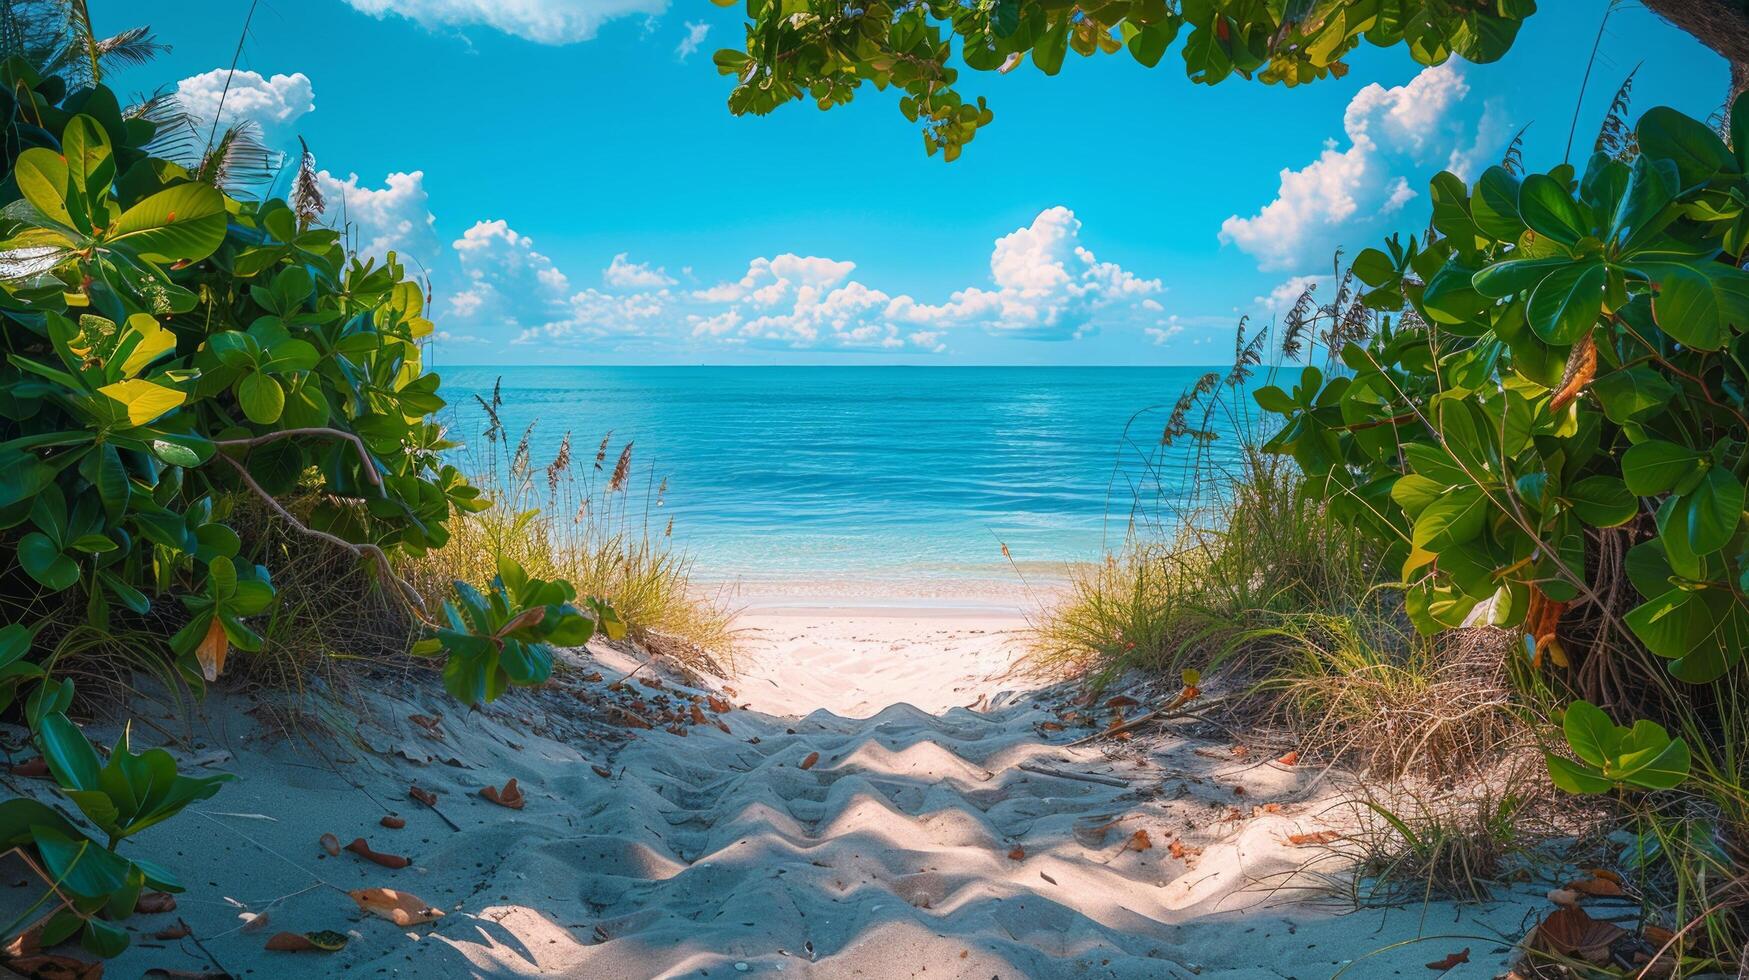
[(510, 796), (401, 908)]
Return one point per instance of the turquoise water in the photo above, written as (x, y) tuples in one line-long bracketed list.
[(788, 473)]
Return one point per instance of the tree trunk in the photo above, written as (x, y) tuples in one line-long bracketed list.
[(1722, 25)]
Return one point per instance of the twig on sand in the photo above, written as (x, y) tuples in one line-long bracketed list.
[(210, 958), (1160, 714), (432, 806), (1085, 777)]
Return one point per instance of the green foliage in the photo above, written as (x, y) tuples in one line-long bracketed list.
[(120, 798), (170, 346), (170, 350), (506, 636), (1571, 356), (1612, 757), (826, 49)]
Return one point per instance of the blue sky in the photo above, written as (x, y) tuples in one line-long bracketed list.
[(567, 173)]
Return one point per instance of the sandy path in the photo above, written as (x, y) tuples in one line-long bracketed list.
[(726, 853)]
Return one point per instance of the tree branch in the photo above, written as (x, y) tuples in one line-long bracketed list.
[(370, 466), (408, 594)]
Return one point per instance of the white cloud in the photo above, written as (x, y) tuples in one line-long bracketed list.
[(1283, 297), (624, 274), (1045, 284), (508, 285), (1048, 286), (270, 102), (695, 34), (1165, 330), (1410, 124), (540, 21), (396, 216)]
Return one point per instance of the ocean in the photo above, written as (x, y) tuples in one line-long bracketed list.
[(904, 474)]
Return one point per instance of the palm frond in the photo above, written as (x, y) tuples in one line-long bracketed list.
[(1616, 136), (238, 159), (130, 49)]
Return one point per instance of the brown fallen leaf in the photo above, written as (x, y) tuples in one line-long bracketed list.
[(1452, 961), (424, 796), (212, 650), (1290, 759), (331, 844), (724, 726), (153, 903), (401, 908), (1241, 751), (1565, 898), (1176, 849), (178, 931), (1139, 841), (427, 722), (252, 921), (361, 847), (1570, 932), (47, 966), (697, 715), (1597, 887), (603, 772), (510, 796), (1121, 701), (1047, 877), (718, 705), (1050, 726), (1657, 935), (37, 768), (812, 758), (393, 822), (1017, 854), (1314, 838)]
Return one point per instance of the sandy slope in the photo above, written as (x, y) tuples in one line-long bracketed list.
[(722, 853)]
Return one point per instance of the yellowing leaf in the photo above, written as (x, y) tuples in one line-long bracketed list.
[(155, 341), (212, 650), (144, 400)]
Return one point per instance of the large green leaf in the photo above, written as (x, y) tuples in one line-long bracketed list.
[(42, 558), (1697, 304), (1709, 514), (182, 224), (1568, 302), (1545, 205), (1699, 154), (261, 397), (1590, 732), (1654, 466), (68, 753), (1602, 501), (1451, 520)]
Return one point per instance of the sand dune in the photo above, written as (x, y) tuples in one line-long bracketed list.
[(913, 845)]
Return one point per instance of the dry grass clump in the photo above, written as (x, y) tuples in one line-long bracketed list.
[(1256, 547), (590, 520), (1367, 691), (1417, 845)]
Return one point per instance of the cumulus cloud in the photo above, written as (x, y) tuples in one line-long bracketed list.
[(695, 34), (396, 216), (1410, 124), (1048, 285), (622, 273), (271, 103), (1165, 330), (1043, 283), (540, 21), (509, 285)]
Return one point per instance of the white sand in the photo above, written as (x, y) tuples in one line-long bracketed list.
[(716, 854)]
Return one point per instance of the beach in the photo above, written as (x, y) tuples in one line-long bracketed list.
[(877, 794)]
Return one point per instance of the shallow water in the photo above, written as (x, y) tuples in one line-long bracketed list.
[(797, 473)]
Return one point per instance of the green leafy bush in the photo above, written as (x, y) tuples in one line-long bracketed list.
[(1567, 373), (170, 351), (1613, 757), (506, 636)]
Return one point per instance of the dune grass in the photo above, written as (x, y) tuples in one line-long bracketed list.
[(597, 521)]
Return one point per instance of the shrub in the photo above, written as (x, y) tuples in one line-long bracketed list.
[(1567, 369), (171, 351)]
